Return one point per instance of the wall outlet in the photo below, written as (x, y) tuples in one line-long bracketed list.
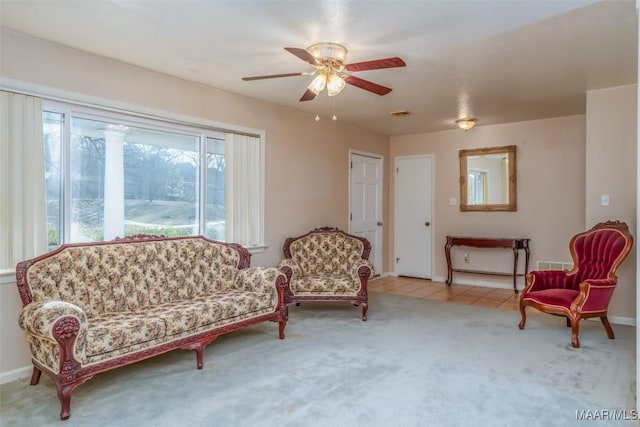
[(452, 201), (604, 200), (466, 257)]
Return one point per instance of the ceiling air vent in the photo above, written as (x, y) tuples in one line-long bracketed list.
[(400, 113)]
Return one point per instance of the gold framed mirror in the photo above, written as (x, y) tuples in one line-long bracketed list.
[(488, 179)]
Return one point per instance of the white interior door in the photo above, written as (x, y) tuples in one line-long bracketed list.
[(413, 216), (366, 203)]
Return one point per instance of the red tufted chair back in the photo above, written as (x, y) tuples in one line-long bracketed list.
[(597, 253)]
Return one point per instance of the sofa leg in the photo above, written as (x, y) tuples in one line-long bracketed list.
[(199, 355), (281, 327), (365, 307), (35, 377), (64, 394)]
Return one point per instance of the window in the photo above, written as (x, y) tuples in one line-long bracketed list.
[(110, 174)]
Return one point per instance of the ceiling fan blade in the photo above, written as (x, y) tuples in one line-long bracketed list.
[(308, 96), (376, 64), (272, 76), (302, 54), (367, 85)]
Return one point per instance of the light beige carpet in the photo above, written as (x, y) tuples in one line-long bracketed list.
[(413, 363)]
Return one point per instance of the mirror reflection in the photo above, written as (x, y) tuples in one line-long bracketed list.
[(488, 179)]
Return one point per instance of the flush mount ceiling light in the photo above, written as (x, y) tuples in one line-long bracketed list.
[(466, 124)]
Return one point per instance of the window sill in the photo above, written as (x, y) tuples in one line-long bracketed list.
[(7, 275), (256, 249)]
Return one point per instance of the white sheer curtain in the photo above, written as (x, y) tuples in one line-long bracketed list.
[(23, 216), (243, 189)]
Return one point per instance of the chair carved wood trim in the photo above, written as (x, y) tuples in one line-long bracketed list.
[(309, 273), (586, 290)]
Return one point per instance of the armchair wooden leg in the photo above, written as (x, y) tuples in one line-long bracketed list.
[(524, 317), (575, 326), (608, 327), (568, 322)]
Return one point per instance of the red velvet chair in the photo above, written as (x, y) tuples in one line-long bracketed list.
[(586, 290)]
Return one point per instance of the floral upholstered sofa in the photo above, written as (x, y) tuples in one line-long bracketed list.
[(92, 307), (327, 264)]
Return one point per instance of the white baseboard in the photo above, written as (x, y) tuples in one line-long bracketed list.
[(16, 374), (475, 282), (383, 275), (617, 320)]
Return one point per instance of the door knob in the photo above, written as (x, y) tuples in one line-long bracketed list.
[(426, 224)]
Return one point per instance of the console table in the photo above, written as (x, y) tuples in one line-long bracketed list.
[(488, 242)]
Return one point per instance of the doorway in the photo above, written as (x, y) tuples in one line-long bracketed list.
[(413, 216), (366, 202)]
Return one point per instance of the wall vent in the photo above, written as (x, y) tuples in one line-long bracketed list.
[(554, 265)]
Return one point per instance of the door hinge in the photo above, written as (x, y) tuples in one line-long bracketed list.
[(397, 170), (351, 165), (397, 260), (351, 217)]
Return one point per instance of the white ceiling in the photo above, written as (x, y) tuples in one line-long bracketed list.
[(499, 61)]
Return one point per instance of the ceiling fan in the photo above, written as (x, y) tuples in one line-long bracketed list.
[(327, 60)]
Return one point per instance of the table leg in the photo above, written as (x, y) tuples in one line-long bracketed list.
[(526, 262), (515, 268), (447, 252)]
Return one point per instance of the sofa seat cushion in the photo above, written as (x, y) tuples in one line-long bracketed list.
[(114, 331), (330, 284), (219, 307)]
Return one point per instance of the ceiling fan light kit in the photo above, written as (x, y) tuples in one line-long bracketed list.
[(328, 51), (327, 60), (466, 124)]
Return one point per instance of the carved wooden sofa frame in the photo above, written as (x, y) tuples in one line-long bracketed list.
[(64, 325)]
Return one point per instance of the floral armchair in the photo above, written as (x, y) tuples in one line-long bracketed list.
[(586, 290), (327, 264)]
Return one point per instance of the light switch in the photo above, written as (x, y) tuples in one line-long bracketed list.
[(604, 199), (452, 201)]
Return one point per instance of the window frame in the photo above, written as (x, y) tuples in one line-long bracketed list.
[(203, 129)]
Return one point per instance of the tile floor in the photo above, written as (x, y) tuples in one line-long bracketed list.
[(502, 299)]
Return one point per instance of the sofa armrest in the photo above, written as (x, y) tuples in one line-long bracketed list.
[(260, 279), (290, 268), (366, 266), (60, 322)]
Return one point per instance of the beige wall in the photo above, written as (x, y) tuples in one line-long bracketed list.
[(551, 191), (14, 352), (611, 169), (564, 165), (307, 162)]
